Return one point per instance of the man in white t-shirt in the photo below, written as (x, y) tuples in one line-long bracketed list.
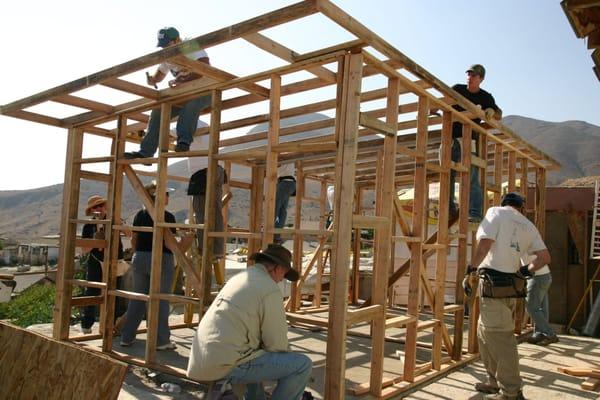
[(187, 112), (286, 187), (504, 237), (197, 167), (538, 307)]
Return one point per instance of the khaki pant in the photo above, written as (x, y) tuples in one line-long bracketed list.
[(497, 344)]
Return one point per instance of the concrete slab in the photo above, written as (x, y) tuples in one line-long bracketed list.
[(538, 367)]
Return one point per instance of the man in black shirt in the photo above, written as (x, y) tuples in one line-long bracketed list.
[(472, 92), (141, 242)]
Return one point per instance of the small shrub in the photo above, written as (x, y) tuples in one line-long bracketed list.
[(33, 306)]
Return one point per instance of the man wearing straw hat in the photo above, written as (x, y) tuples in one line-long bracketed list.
[(96, 207), (242, 338)]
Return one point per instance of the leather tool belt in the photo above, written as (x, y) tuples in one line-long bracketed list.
[(501, 285)]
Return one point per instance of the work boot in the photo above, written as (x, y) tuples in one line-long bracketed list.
[(535, 338), (502, 396), (546, 340), (487, 387), (135, 154), (182, 147)]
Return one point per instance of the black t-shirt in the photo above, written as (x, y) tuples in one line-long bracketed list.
[(144, 239), (482, 98), (89, 232)]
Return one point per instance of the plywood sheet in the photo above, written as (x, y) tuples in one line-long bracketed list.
[(33, 366)]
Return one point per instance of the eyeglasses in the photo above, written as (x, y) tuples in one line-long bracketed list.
[(98, 206)]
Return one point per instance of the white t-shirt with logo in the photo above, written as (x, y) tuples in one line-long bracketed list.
[(514, 237), (178, 71), (288, 169)]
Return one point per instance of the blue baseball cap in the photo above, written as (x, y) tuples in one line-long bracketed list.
[(513, 199), (166, 36)]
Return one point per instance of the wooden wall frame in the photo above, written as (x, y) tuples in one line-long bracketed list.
[(375, 148)]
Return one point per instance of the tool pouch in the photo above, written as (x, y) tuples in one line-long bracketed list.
[(500, 285)]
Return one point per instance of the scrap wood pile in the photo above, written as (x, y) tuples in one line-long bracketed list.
[(592, 376)]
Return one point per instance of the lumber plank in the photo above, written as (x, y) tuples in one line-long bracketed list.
[(277, 49)]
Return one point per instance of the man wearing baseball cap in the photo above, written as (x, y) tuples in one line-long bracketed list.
[(483, 99), (242, 338), (187, 112), (504, 237)]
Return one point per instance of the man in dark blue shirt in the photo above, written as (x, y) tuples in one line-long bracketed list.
[(472, 92)]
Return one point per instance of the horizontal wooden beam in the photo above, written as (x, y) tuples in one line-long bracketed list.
[(247, 27)]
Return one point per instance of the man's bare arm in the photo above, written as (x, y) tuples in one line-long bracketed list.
[(483, 247)]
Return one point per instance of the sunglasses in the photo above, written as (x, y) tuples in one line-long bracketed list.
[(98, 206)]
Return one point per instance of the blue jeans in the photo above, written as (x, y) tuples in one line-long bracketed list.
[(142, 264), (290, 370), (476, 195), (285, 189), (199, 204), (186, 124), (537, 303)]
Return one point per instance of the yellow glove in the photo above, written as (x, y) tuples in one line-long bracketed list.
[(489, 113)]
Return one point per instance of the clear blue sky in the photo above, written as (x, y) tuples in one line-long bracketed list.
[(536, 66)]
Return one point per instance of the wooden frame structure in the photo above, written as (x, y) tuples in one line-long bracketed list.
[(382, 147)]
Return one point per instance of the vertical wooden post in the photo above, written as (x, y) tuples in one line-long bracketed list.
[(483, 151), (225, 211), (158, 233), (295, 294), (210, 208), (463, 244), (540, 206), (356, 249), (523, 187), (512, 171), (68, 229), (442, 239), (347, 116), (383, 240), (256, 207), (270, 188), (319, 255), (498, 160), (115, 196), (416, 250)]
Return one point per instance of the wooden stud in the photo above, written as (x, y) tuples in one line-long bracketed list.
[(383, 262), (210, 205), (66, 257), (346, 133), (270, 187), (442, 239), (114, 200), (419, 201), (295, 294), (158, 216)]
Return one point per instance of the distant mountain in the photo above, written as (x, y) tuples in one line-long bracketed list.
[(27, 214), (574, 144)]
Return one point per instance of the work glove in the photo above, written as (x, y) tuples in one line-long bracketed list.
[(99, 234), (489, 113), (524, 270), (466, 283)]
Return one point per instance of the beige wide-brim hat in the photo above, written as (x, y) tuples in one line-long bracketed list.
[(151, 188), (92, 202), (280, 256)]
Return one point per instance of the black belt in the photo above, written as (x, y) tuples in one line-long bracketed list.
[(286, 178)]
